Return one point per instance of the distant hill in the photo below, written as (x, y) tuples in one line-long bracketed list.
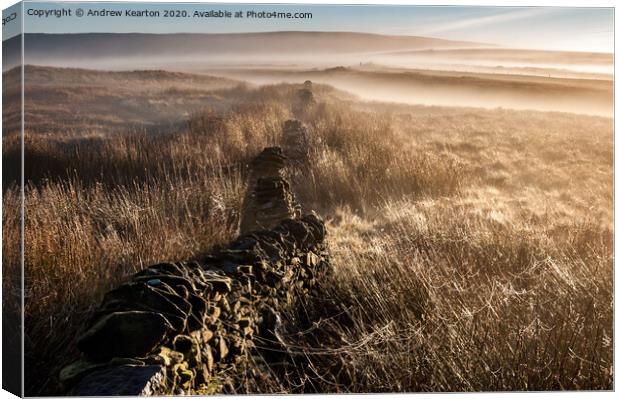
[(11, 52), (511, 55), (82, 102), (41, 47)]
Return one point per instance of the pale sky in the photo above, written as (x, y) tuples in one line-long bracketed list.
[(558, 28)]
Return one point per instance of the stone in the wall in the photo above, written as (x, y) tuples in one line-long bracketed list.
[(124, 334), (148, 380), (269, 163)]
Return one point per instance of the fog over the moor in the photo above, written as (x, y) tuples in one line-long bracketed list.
[(408, 69)]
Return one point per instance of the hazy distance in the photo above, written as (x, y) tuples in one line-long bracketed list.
[(408, 69)]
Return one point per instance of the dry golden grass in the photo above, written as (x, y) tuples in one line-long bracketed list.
[(472, 249), (480, 258)]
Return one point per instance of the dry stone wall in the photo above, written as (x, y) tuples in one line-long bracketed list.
[(295, 141), (270, 198), (305, 100), (177, 328), (174, 326)]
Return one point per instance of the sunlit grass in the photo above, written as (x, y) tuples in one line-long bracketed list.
[(472, 249)]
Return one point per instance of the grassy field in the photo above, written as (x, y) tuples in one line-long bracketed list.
[(472, 248)]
